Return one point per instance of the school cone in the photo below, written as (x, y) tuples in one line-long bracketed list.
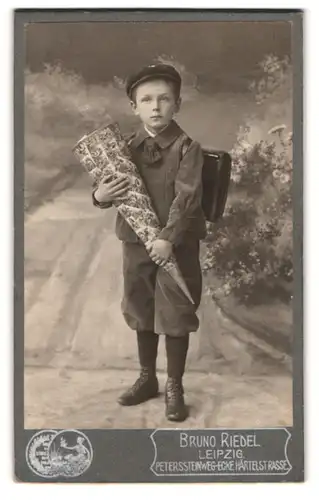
[(105, 154)]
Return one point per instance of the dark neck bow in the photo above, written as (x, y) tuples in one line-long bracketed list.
[(151, 151)]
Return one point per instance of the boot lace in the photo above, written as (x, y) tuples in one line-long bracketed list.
[(145, 375), (175, 390)]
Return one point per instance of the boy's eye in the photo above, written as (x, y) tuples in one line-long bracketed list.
[(161, 98)]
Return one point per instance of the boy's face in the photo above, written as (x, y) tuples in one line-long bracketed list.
[(155, 104)]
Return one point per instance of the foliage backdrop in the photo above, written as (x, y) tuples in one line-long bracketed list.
[(249, 253)]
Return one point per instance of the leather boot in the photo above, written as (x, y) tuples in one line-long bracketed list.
[(176, 350), (176, 410), (145, 388)]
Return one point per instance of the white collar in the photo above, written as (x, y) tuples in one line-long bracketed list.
[(151, 134)]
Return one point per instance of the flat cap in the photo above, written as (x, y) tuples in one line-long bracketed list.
[(152, 72)]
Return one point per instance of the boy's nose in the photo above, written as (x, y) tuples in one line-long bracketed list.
[(156, 104)]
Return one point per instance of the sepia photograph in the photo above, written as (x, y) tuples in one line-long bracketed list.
[(158, 225)]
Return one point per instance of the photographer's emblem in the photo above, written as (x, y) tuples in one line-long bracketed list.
[(37, 454), (52, 454)]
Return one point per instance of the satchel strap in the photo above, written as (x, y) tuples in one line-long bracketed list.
[(180, 147), (185, 142)]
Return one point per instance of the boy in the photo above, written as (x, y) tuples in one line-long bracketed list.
[(171, 167)]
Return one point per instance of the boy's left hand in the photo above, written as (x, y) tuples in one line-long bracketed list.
[(160, 251)]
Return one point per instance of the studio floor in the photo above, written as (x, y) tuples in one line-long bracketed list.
[(79, 355)]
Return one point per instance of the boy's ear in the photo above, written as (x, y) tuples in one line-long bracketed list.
[(133, 106), (178, 104)]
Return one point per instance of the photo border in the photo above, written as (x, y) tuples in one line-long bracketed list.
[(115, 439)]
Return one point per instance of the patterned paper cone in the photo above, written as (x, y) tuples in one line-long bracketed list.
[(104, 153)]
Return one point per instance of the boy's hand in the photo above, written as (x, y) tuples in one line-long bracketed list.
[(109, 191), (160, 251)]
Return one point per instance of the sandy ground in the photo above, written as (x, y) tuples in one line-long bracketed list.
[(80, 355), (87, 399)]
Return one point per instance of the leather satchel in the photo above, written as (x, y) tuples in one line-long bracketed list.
[(215, 178)]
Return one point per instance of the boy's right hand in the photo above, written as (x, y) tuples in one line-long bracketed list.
[(109, 191)]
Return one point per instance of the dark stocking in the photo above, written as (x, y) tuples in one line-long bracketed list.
[(147, 349), (176, 351)]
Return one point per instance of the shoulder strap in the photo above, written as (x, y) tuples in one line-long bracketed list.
[(185, 145), (129, 138), (182, 144)]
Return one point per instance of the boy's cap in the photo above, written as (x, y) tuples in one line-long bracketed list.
[(153, 72)]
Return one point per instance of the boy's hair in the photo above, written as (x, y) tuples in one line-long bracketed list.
[(154, 72)]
